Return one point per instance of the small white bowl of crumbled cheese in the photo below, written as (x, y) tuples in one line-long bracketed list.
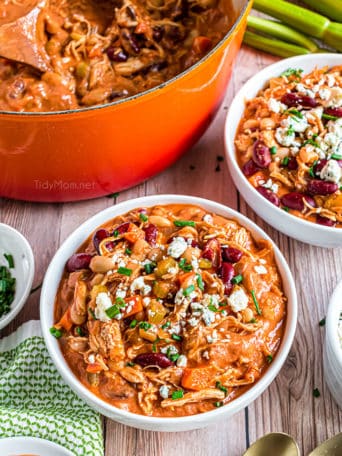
[(283, 139), (333, 346)]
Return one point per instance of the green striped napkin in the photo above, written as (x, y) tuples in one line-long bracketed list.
[(35, 401)]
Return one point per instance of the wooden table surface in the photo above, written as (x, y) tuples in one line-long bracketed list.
[(288, 405)]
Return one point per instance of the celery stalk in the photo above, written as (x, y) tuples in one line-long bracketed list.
[(332, 8), (281, 31), (273, 46), (304, 20)]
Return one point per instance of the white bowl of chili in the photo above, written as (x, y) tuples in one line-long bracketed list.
[(56, 272), (293, 147), (16, 262), (332, 360)]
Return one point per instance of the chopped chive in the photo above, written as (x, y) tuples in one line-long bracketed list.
[(293, 72), (184, 223), (336, 156), (286, 208), (176, 337), (128, 251), (55, 332), (189, 290), (200, 282), (218, 404), (149, 267), (184, 265), (255, 302), (213, 308), (221, 387), (322, 322), (237, 279), (166, 325), (125, 271), (311, 170), (316, 392), (112, 311), (130, 364), (145, 325), (290, 131), (328, 117), (253, 320), (273, 150), (10, 260), (133, 323), (173, 357), (177, 394), (269, 359), (79, 331), (285, 161), (295, 112), (116, 233), (312, 142), (92, 313), (120, 302), (143, 217)]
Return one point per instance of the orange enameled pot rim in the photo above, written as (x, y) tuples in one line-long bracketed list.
[(221, 43)]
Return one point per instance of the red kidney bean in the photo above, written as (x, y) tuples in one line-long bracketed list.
[(231, 254), (319, 166), (293, 100), (261, 154), (318, 187), (151, 232), (98, 237), (212, 252), (292, 164), (269, 195), (78, 261), (121, 229), (227, 272), (153, 359), (250, 168), (294, 200), (324, 221), (336, 112), (116, 55)]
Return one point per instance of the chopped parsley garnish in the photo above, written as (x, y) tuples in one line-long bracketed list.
[(316, 392), (328, 117), (79, 331), (286, 208), (176, 337), (149, 267), (290, 131), (143, 217), (166, 325), (177, 394), (322, 322), (55, 332), (285, 161), (312, 142), (256, 304), (130, 364), (145, 325), (112, 311), (200, 282), (7, 290), (133, 323), (125, 271), (128, 251), (221, 387), (269, 359), (273, 150), (237, 279), (218, 404), (184, 223), (189, 290), (184, 265), (336, 156), (10, 260), (293, 72)]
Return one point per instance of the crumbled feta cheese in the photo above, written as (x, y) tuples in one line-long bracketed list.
[(194, 263), (211, 299), (164, 391), (208, 218), (103, 302), (313, 114), (91, 358), (238, 300), (330, 80), (146, 301), (175, 329), (205, 354), (120, 293), (285, 137), (177, 247), (140, 285), (335, 126), (298, 124), (260, 269), (193, 321), (335, 99), (179, 298), (122, 264), (196, 306), (302, 89), (270, 185), (211, 338), (262, 261), (172, 270), (208, 316), (276, 106), (324, 94), (182, 361), (169, 349), (331, 172)]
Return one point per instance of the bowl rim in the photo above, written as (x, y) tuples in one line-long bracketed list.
[(56, 268), (332, 319), (36, 441), (270, 71), (237, 22), (25, 247)]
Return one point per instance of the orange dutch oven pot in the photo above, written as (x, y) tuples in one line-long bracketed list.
[(87, 153)]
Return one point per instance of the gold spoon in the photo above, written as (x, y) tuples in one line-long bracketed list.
[(276, 443), (331, 447), (23, 39)]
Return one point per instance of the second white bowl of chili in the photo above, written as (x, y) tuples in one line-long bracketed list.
[(284, 147), (216, 310)]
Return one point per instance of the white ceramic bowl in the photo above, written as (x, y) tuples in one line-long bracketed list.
[(332, 360), (295, 227), (14, 243), (13, 446), (50, 286)]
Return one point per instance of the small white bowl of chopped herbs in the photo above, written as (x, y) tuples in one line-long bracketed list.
[(16, 272), (333, 346)]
